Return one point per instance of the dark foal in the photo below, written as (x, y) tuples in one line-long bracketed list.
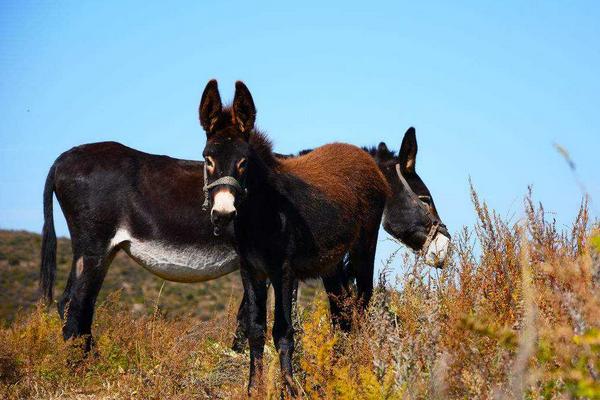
[(292, 219)]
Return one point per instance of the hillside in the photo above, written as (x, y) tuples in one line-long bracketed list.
[(139, 289), (19, 266)]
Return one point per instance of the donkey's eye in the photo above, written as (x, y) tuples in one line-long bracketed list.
[(425, 199), (242, 164), (209, 162)]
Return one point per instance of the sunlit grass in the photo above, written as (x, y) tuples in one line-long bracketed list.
[(516, 314)]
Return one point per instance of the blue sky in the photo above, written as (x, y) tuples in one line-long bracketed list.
[(489, 87)]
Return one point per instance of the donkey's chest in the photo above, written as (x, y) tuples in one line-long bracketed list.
[(309, 254), (183, 263), (306, 262)]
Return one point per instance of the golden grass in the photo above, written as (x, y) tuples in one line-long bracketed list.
[(516, 314)]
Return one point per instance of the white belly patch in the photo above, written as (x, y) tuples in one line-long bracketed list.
[(176, 262)]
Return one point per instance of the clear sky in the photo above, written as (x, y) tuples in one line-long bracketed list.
[(489, 86)]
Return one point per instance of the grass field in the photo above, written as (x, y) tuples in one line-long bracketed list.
[(516, 314)]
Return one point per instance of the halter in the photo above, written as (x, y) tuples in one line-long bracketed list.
[(224, 180), (435, 225)]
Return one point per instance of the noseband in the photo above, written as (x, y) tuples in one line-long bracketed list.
[(435, 224), (225, 181)]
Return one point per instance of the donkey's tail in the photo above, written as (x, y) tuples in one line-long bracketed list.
[(48, 267)]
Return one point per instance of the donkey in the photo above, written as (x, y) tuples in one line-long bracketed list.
[(409, 215), (117, 198), (292, 219)]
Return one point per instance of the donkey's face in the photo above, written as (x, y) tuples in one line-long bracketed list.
[(227, 149), (410, 214)]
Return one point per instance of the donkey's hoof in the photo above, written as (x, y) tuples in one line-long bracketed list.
[(290, 386)]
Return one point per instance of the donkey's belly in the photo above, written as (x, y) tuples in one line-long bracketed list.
[(181, 263)]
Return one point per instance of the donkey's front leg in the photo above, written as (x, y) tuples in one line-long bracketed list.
[(255, 294), (284, 286), (240, 337)]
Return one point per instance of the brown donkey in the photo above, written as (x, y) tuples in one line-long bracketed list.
[(291, 219)]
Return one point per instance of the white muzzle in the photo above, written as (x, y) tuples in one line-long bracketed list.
[(224, 202), (438, 249)]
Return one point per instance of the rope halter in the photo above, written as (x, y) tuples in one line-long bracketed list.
[(435, 224), (225, 181)]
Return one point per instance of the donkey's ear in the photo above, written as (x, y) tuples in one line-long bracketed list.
[(382, 150), (210, 107), (244, 112), (408, 151)]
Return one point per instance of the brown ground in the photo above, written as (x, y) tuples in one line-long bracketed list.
[(516, 314)]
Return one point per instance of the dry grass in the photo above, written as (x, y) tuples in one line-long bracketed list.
[(515, 315)]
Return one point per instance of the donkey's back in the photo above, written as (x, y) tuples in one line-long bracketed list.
[(115, 197), (108, 186), (344, 172), (340, 198)]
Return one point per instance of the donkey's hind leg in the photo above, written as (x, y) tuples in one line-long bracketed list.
[(362, 260), (76, 307), (338, 291)]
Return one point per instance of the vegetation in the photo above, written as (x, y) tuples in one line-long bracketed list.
[(19, 263), (516, 314)]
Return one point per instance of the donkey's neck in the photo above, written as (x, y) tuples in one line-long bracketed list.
[(262, 149)]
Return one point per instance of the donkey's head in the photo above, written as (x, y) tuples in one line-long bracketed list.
[(227, 149), (410, 214)]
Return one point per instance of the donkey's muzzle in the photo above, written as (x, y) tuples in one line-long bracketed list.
[(437, 251), (220, 220)]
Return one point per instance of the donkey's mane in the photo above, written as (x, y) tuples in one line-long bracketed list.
[(384, 154), (263, 147)]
